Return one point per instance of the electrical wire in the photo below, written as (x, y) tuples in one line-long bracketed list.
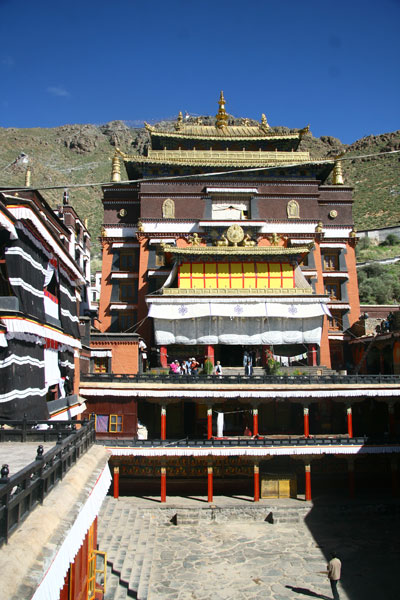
[(196, 175)]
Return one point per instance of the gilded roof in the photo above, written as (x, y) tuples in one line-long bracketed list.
[(222, 158), (210, 132)]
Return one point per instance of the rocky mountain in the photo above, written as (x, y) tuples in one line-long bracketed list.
[(75, 154)]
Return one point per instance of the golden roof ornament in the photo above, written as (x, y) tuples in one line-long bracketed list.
[(221, 117), (337, 175), (319, 227), (195, 240), (140, 226), (179, 121), (116, 168), (264, 123), (274, 239), (235, 234), (353, 233)]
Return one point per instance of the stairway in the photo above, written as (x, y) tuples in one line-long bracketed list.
[(128, 535)]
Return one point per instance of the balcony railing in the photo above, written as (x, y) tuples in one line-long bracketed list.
[(324, 379), (21, 492)]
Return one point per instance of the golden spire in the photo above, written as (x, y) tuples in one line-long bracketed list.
[(264, 122), (28, 176), (116, 169), (221, 117), (337, 175), (179, 121)]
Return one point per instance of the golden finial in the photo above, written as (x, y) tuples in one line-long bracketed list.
[(116, 169), (28, 176), (337, 175), (140, 226), (179, 121), (264, 122), (319, 227), (103, 232), (304, 130), (85, 222), (274, 239), (195, 239), (221, 117), (353, 233)]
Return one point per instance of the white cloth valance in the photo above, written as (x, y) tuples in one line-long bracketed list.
[(53, 579), (22, 325), (294, 393), (7, 224), (266, 451), (188, 310), (101, 353), (238, 331)]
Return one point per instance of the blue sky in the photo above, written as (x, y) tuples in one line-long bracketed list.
[(334, 65)]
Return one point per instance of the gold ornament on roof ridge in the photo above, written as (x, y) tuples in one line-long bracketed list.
[(179, 121), (264, 123), (221, 117), (235, 234)]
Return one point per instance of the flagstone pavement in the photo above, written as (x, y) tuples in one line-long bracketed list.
[(246, 557)]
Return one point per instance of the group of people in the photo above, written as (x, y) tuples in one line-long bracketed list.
[(185, 367)]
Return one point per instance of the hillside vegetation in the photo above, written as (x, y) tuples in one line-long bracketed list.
[(74, 154)]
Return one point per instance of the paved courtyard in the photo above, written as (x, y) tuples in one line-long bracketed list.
[(221, 557)]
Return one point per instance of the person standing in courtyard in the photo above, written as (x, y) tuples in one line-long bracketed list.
[(334, 567)]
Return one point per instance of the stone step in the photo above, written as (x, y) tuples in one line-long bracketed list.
[(145, 573), (140, 551), (132, 545)]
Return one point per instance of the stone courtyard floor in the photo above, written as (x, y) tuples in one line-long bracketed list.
[(242, 556)]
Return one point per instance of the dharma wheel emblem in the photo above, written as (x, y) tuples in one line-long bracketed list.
[(235, 234)]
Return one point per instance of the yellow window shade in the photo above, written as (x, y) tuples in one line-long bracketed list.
[(236, 268), (197, 269), (210, 268), (275, 268), (223, 268), (184, 269)]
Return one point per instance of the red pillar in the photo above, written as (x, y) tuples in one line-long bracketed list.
[(395, 476), (392, 422), (256, 482), (352, 486), (264, 355), (350, 421), (209, 354), (116, 482), (306, 421), (163, 484), (210, 483), (255, 421), (312, 355), (209, 423), (163, 422), (308, 480), (163, 356)]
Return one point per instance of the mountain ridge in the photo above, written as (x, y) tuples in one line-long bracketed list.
[(82, 153)]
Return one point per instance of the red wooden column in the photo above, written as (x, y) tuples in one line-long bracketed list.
[(392, 422), (395, 476), (116, 482), (209, 423), (255, 421), (306, 418), (308, 480), (209, 354), (163, 356), (256, 482), (163, 484), (163, 422), (351, 477), (210, 492), (350, 421), (312, 355)]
